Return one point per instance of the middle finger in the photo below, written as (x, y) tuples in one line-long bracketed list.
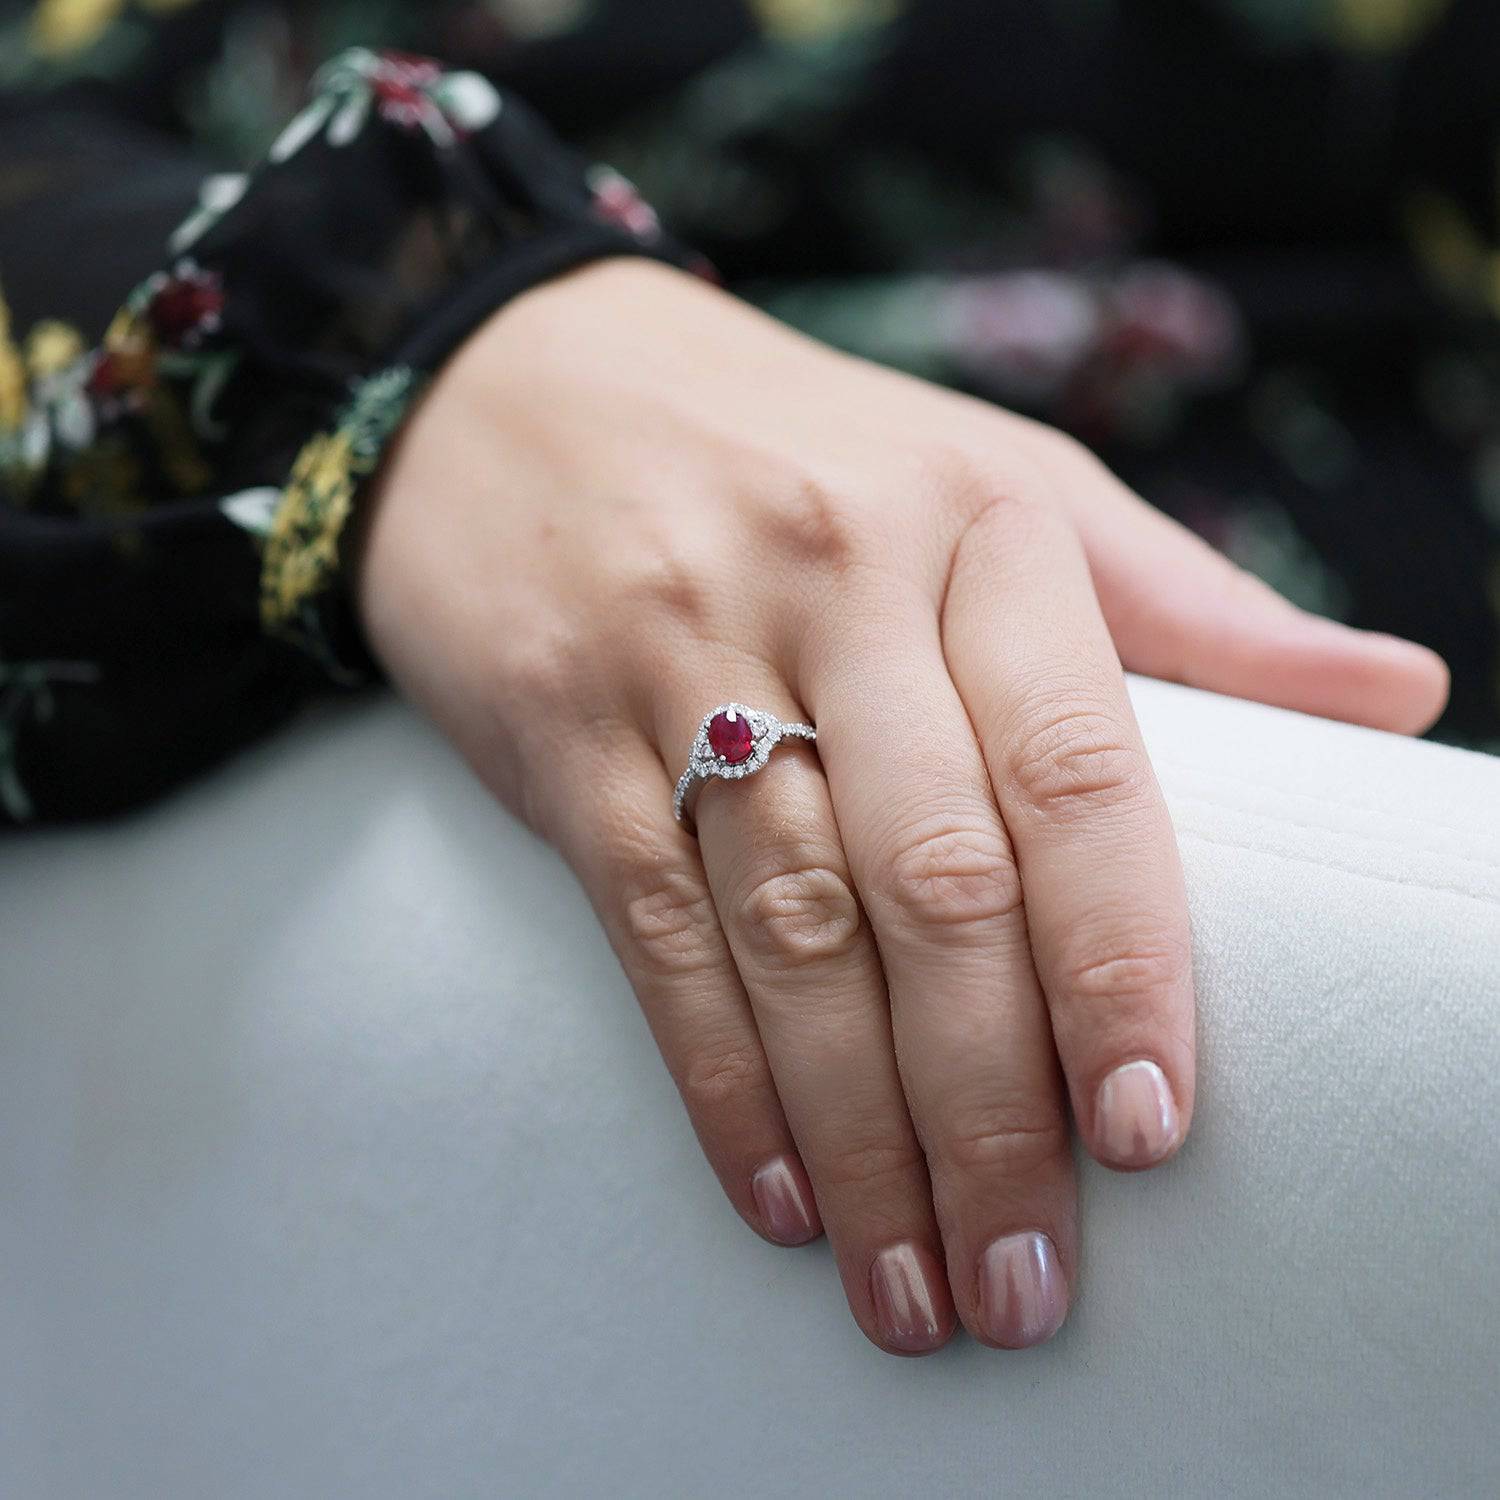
[(934, 863)]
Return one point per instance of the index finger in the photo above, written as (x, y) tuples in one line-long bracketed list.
[(1106, 908)]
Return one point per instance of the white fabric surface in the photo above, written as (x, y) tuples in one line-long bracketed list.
[(336, 1160)]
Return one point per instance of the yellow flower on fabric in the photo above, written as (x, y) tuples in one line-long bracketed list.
[(51, 347), (61, 27), (13, 383), (325, 465), (302, 546), (12, 391), (301, 536), (1383, 25), (131, 347), (814, 20)]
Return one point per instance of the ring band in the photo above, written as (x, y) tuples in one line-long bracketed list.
[(733, 740)]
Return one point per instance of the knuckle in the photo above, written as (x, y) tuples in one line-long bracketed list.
[(803, 915), (872, 1166), (717, 1076), (998, 499), (1018, 513), (659, 580), (989, 1142), (954, 877), (535, 670), (1008, 498), (1141, 969), (959, 482), (1077, 759), (668, 917), (815, 521)]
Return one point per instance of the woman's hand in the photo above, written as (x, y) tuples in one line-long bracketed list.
[(886, 966)]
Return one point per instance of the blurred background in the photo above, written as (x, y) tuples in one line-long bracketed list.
[(1246, 249)]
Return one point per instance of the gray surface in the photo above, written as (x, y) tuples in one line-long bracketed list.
[(335, 1160)]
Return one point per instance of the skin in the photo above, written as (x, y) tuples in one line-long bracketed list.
[(900, 962)]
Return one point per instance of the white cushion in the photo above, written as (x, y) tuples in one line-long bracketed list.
[(336, 1160)]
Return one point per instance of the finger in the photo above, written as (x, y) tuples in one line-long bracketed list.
[(646, 881), (1105, 903), (1180, 610), (935, 867), (782, 890)]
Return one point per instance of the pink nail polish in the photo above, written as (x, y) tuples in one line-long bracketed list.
[(1136, 1121), (906, 1305), (782, 1203), (1022, 1296)]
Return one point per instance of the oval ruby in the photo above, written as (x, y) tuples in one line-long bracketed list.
[(729, 737)]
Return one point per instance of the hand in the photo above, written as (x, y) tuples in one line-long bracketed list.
[(887, 965)]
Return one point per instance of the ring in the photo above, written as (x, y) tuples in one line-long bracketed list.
[(732, 741)]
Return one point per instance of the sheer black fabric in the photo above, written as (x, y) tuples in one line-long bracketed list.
[(177, 493)]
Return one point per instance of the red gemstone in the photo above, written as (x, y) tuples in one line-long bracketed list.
[(729, 737)]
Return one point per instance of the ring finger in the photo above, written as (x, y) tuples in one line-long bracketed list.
[(646, 881), (804, 951)]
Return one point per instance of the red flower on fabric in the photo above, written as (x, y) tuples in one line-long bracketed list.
[(399, 83), (617, 201), (122, 370), (185, 306)]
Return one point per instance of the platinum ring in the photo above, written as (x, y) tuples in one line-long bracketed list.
[(733, 740)]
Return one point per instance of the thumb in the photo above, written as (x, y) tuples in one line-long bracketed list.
[(1180, 610)]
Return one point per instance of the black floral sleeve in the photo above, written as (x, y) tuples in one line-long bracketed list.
[(174, 495)]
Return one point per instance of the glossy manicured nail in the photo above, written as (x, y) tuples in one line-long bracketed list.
[(1136, 1122), (783, 1204), (1023, 1298), (906, 1300)]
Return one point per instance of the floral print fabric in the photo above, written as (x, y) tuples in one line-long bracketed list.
[(1244, 248), (176, 494)]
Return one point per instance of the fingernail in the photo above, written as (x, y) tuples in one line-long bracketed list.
[(783, 1206), (906, 1307), (1136, 1120), (1022, 1296)]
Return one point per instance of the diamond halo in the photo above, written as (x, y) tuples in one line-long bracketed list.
[(723, 725)]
